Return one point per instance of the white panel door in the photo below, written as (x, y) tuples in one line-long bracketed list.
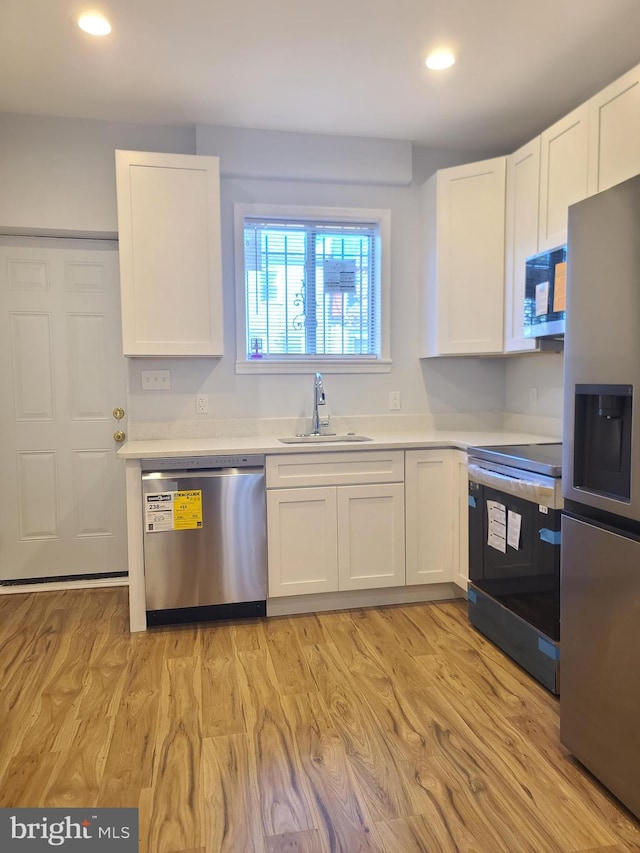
[(371, 536), (430, 509), (61, 375)]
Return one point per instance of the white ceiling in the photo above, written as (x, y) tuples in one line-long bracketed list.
[(351, 67)]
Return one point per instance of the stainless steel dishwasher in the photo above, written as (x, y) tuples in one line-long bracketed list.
[(204, 538)]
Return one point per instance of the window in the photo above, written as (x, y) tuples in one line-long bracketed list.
[(311, 285)]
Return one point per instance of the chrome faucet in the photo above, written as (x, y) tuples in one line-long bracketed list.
[(318, 400)]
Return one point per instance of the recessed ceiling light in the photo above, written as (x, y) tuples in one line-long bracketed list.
[(95, 25), (440, 59)]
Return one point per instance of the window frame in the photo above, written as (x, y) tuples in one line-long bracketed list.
[(307, 363)]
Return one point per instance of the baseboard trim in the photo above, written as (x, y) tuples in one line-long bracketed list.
[(354, 598), (59, 586)]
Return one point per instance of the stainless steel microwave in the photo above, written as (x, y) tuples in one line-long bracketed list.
[(544, 296)]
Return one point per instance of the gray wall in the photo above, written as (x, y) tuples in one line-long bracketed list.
[(57, 177)]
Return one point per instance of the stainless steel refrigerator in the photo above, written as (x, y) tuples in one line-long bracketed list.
[(600, 562)]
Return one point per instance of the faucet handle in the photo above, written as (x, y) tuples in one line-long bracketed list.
[(324, 424)]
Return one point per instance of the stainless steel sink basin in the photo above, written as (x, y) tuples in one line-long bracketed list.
[(317, 439)]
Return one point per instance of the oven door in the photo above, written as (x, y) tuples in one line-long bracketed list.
[(516, 558)]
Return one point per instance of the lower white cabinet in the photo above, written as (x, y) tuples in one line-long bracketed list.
[(347, 533), (366, 519), (302, 530), (431, 506), (370, 536), (461, 519)]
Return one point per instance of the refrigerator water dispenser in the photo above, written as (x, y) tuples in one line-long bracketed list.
[(602, 446)]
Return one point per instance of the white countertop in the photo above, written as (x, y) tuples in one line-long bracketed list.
[(402, 440)]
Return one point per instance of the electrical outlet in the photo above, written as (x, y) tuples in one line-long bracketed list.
[(395, 403), (156, 380), (202, 404)]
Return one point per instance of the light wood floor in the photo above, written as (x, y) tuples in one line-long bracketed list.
[(396, 730)]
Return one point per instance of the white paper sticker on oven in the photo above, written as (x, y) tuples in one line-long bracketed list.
[(514, 520), (497, 527)]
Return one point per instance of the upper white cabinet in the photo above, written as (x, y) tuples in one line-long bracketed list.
[(521, 239), (464, 214), (563, 174), (614, 133), (478, 234), (170, 269)]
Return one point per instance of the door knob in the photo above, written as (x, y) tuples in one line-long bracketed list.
[(119, 435), (118, 413)]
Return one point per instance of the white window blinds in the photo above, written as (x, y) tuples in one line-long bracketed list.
[(312, 288)]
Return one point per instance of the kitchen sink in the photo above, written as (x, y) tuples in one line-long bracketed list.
[(317, 439)]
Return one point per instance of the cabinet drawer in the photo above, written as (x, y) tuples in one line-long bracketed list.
[(335, 469)]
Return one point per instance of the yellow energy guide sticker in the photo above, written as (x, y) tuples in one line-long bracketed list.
[(187, 510), (166, 511)]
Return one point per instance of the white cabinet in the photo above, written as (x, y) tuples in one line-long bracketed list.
[(521, 239), (563, 174), (302, 532), (463, 227), (371, 549), (614, 133), (430, 516), (461, 518), (335, 521), (170, 269)]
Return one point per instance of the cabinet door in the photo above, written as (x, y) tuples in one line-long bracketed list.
[(371, 536), (461, 519), (466, 290), (563, 174), (429, 516), (302, 541), (169, 238), (521, 239), (614, 133)]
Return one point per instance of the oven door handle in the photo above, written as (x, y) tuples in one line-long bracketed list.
[(531, 490), (553, 537)]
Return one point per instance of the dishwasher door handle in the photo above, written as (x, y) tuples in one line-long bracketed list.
[(193, 473)]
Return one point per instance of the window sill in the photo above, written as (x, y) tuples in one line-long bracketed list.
[(378, 365)]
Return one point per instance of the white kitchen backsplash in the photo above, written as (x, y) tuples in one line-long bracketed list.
[(541, 424), (220, 428)]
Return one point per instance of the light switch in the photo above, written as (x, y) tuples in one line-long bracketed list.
[(156, 380)]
